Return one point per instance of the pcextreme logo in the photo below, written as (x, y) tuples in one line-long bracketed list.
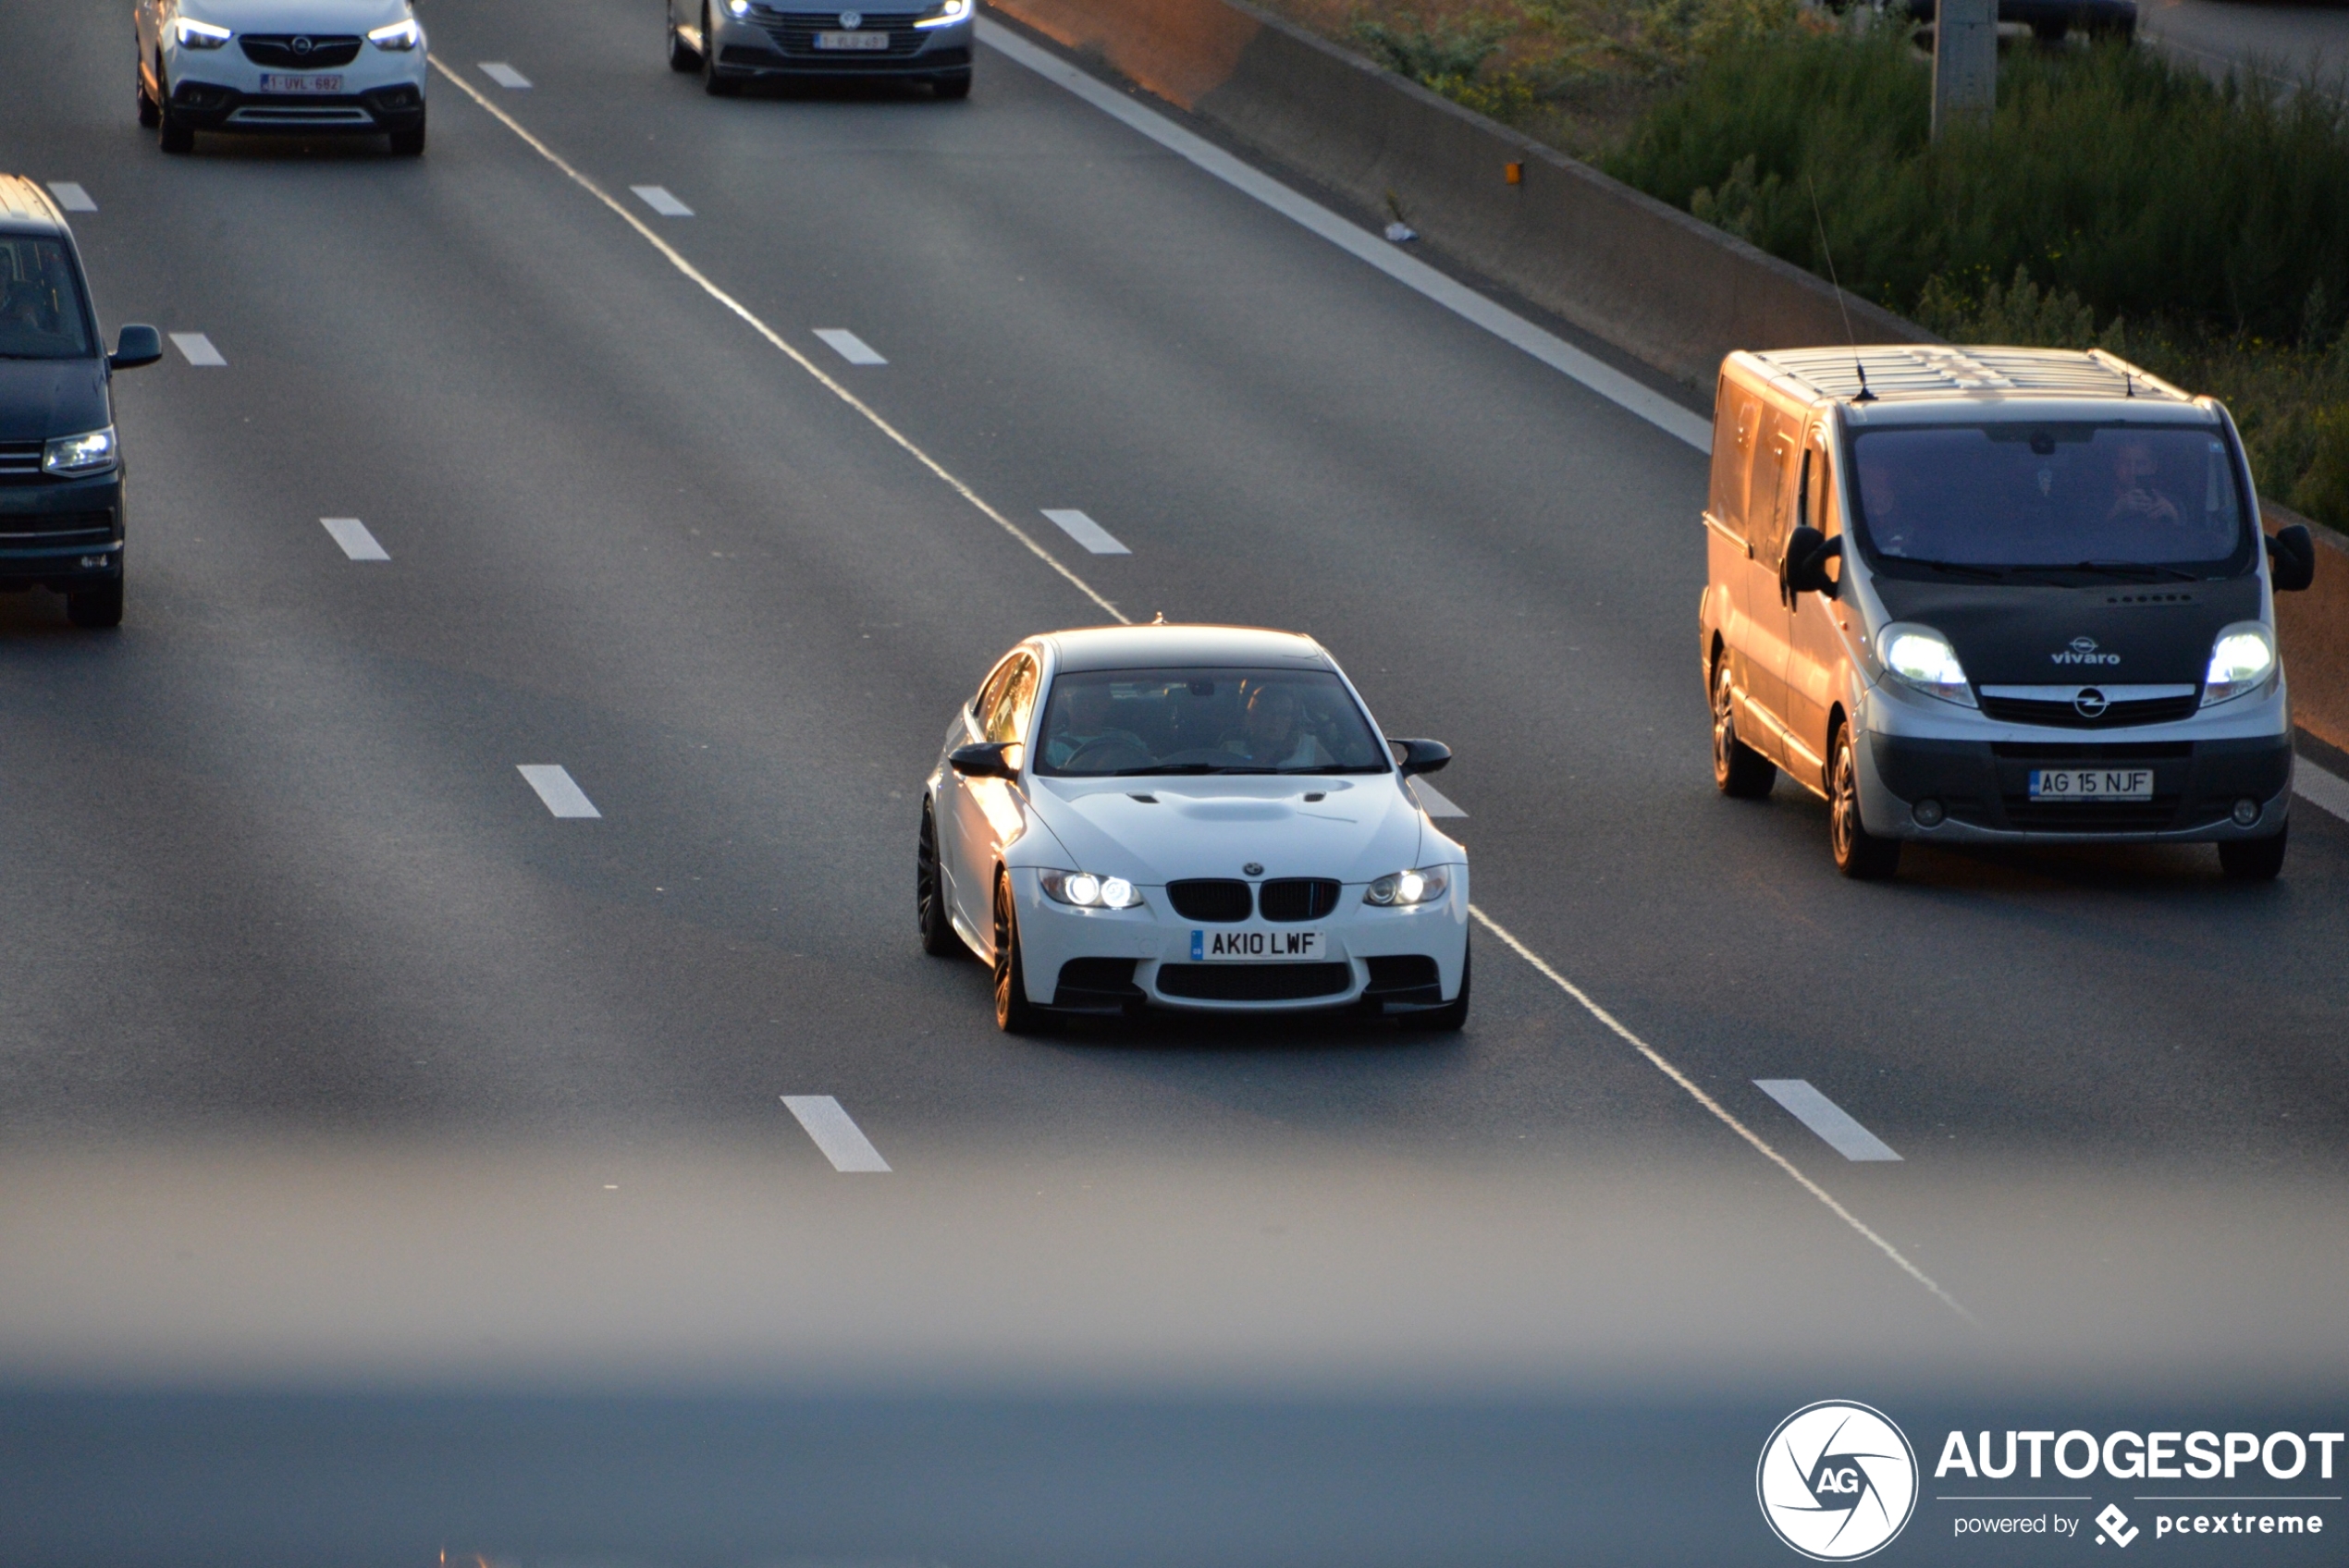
[(1837, 1481)]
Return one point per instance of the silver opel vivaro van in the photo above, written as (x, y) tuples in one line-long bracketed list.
[(1995, 596)]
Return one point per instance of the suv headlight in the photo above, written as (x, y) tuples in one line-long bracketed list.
[(947, 15), (396, 35), (193, 34), (86, 453), (2242, 659), (1086, 890), (1923, 658), (1400, 889)]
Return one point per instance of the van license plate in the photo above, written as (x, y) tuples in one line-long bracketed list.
[(2092, 784), (1223, 947), (273, 82), (851, 41)]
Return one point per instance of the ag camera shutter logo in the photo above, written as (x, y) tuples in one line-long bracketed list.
[(1838, 1481)]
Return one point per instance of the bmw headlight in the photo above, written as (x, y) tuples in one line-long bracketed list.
[(947, 15), (1400, 889), (89, 452), (1086, 890), (1923, 658), (2241, 661), (193, 34), (396, 35)]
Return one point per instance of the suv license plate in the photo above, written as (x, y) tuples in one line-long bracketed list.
[(851, 41), (1248, 946), (2092, 784), (272, 82)]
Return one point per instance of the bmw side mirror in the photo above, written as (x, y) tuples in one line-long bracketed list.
[(986, 759), (1419, 756), (139, 346), (1807, 554), (2293, 559)]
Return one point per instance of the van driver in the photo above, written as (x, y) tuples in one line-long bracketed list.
[(2133, 500)]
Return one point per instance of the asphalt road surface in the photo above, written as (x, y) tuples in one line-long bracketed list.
[(287, 930)]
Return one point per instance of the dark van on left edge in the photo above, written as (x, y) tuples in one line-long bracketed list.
[(61, 474)]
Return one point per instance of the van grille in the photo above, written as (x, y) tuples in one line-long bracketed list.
[(2063, 715), (19, 459)]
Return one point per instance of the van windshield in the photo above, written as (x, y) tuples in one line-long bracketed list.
[(1145, 721), (1994, 499), (41, 313)]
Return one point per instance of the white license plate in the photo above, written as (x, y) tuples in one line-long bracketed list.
[(2091, 783), (274, 81), (851, 41), (1251, 947)]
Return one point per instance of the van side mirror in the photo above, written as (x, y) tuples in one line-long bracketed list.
[(1419, 756), (139, 346), (2292, 556), (1807, 554), (985, 759)]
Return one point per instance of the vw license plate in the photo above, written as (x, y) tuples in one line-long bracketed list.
[(1210, 947), (851, 41), (2091, 783), (274, 81)]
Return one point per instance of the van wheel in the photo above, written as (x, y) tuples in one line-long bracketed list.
[(1859, 853), (938, 939), (96, 608), (1738, 771), (1014, 1015), (2253, 860)]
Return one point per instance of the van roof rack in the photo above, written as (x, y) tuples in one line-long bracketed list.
[(1925, 370)]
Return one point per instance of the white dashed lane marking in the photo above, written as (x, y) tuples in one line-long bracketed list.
[(657, 197), (198, 348), (850, 347), (503, 74), (554, 785), (1825, 1118), (1086, 531), (356, 542), (1435, 800), (71, 197), (2325, 792), (842, 1140)]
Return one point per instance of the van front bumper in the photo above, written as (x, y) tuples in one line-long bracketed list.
[(66, 534), (1982, 789)]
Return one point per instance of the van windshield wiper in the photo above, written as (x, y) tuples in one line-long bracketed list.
[(1963, 568), (2134, 569)]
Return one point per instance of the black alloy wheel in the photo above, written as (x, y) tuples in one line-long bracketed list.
[(1453, 1015), (1738, 771), (2253, 860), (938, 939), (96, 608), (1859, 853), (714, 84), (1014, 1015), (408, 143)]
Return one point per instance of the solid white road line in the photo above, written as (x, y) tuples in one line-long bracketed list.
[(2326, 792), (1417, 275), (850, 347), (503, 74), (198, 348), (1825, 1118), (554, 785), (356, 542), (1086, 531), (842, 1140), (701, 280), (71, 197), (657, 197), (1695, 1092), (1435, 800)]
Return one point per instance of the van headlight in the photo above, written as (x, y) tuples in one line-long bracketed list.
[(193, 34), (1086, 890), (2241, 661), (1400, 889), (947, 15), (1923, 658), (88, 453), (396, 35)]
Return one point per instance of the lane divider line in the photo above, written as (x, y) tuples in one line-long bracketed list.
[(835, 1132), (1721, 1112), (1434, 801), (1624, 392), (197, 348), (356, 542), (675, 259), (1829, 1121), (556, 788), (71, 197), (501, 73), (2325, 790), (1086, 531), (850, 347), (657, 197)]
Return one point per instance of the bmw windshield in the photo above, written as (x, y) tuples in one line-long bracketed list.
[(1119, 722), (1988, 502)]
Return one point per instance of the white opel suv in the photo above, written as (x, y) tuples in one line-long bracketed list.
[(309, 67)]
